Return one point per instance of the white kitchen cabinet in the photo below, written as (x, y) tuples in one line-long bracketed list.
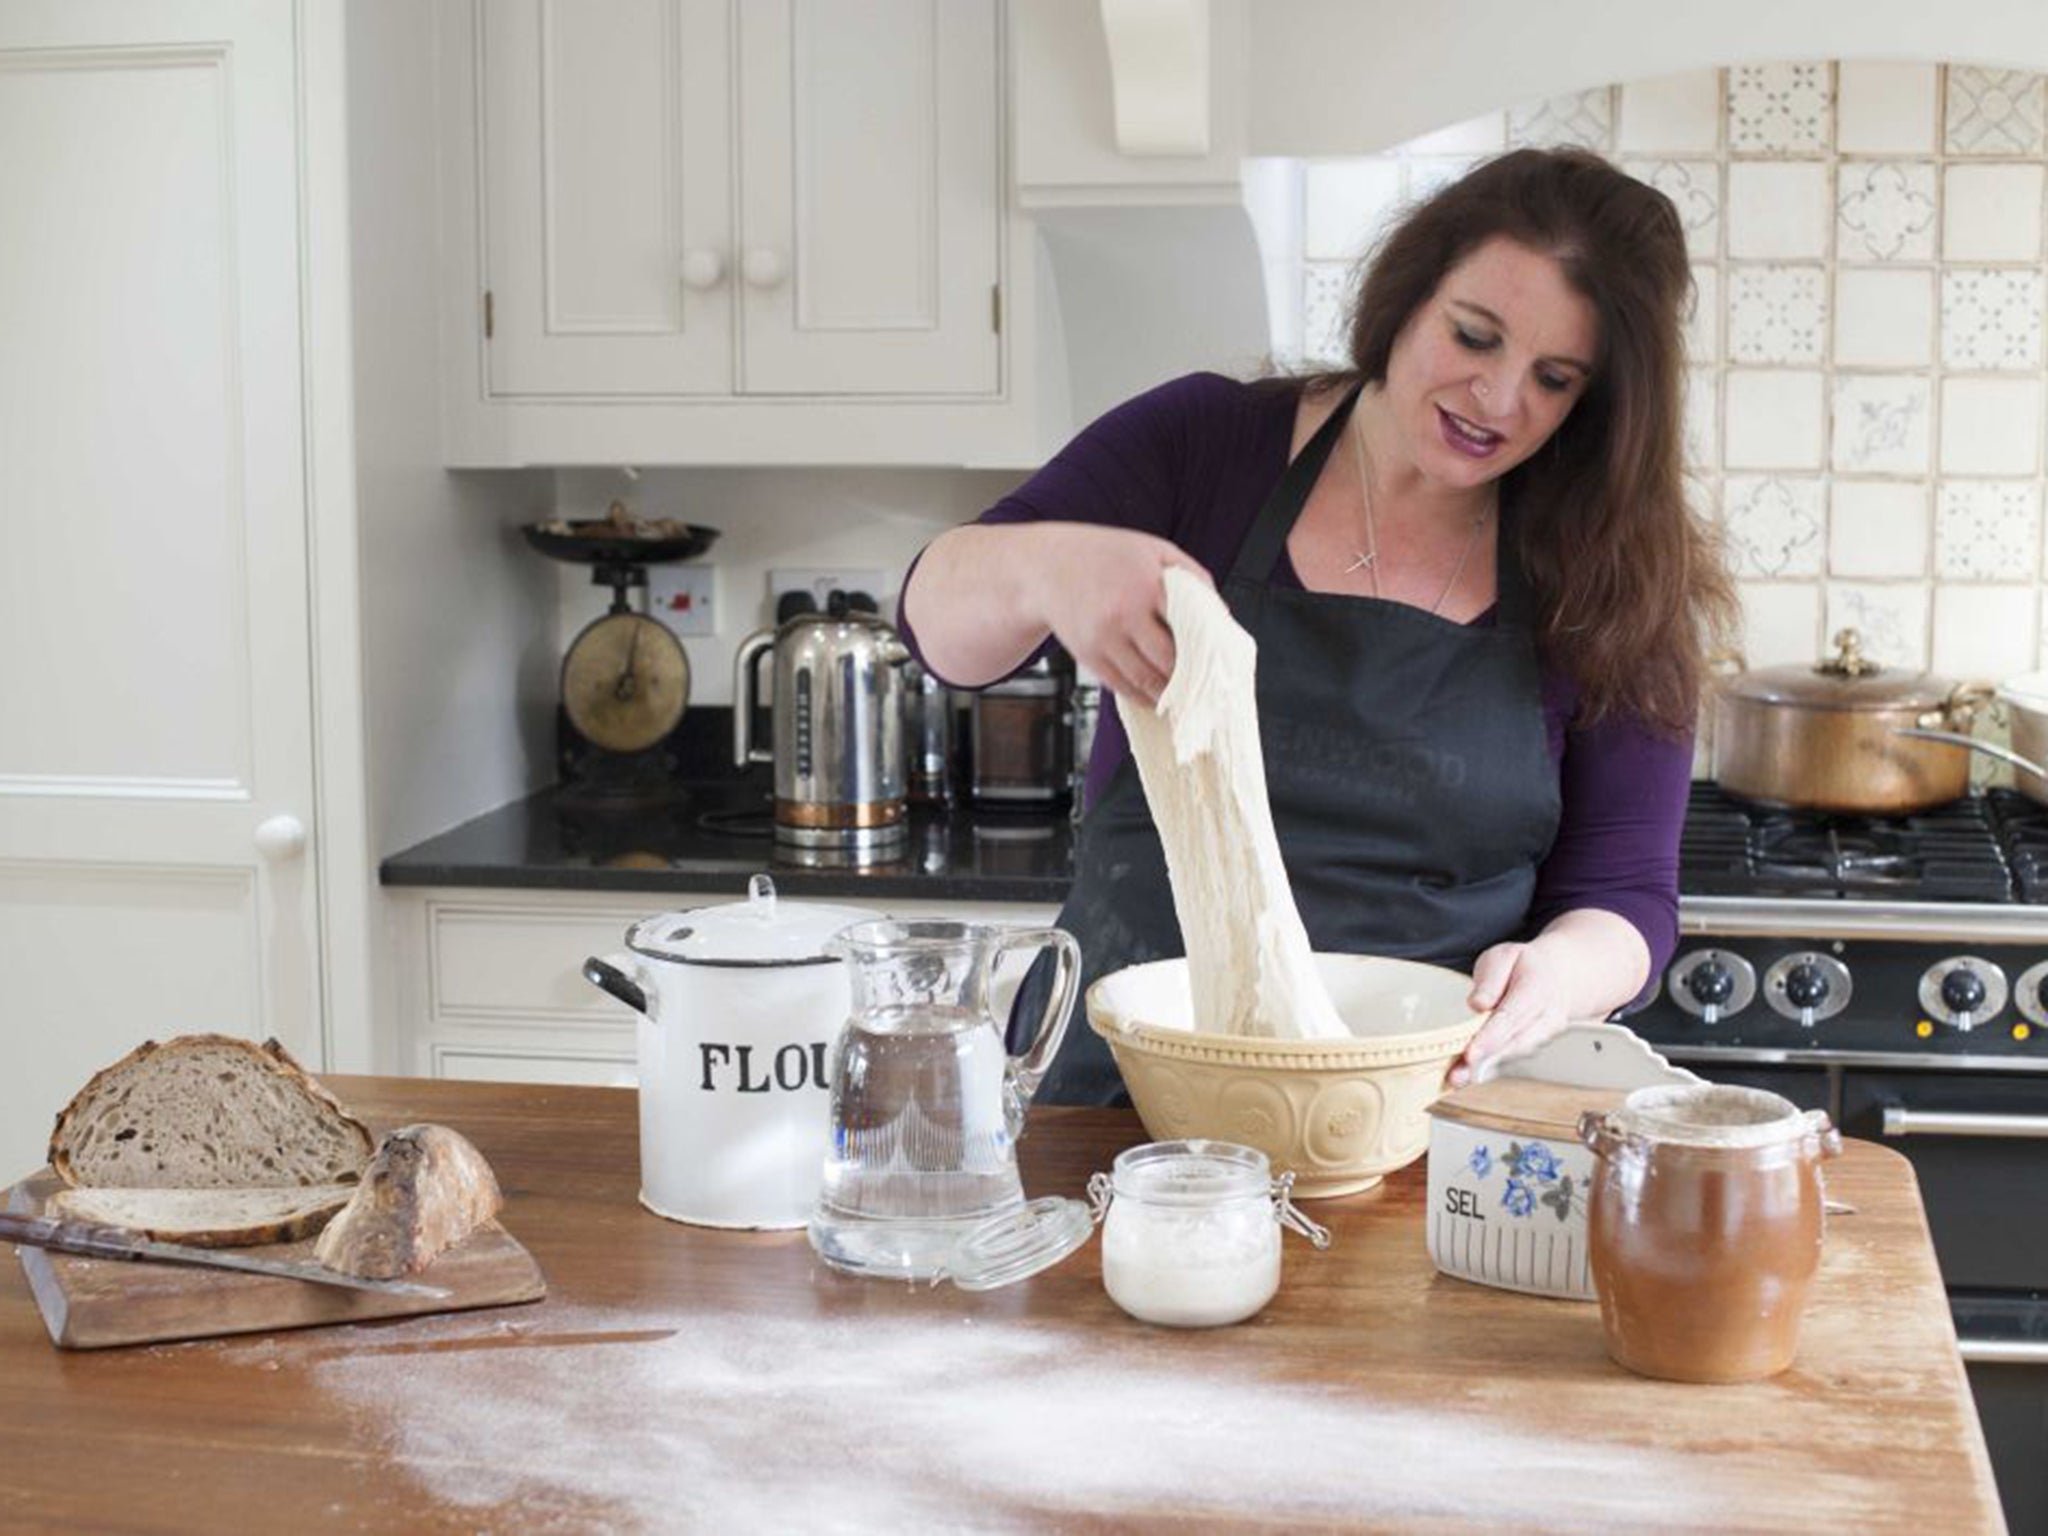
[(493, 986), (703, 231), (607, 240)]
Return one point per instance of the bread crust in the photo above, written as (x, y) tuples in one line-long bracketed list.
[(426, 1190), (270, 1056)]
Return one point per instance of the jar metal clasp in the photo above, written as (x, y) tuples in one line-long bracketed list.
[(1102, 1190), (1291, 1216)]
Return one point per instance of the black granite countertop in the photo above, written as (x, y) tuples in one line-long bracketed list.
[(713, 836)]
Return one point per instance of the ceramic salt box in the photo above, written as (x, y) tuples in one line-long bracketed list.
[(1508, 1176)]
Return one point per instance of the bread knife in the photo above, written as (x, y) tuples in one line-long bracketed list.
[(97, 1242)]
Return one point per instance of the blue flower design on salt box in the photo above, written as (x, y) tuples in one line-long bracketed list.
[(1518, 1198), (1538, 1162), (1481, 1161)]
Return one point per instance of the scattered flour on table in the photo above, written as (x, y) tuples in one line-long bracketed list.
[(605, 1420)]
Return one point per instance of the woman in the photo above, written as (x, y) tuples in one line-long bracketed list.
[(1480, 600)]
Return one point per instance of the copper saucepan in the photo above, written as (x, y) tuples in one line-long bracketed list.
[(1847, 735)]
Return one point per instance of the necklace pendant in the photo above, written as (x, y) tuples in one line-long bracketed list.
[(1363, 563)]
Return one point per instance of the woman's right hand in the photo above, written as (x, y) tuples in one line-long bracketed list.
[(1102, 593)]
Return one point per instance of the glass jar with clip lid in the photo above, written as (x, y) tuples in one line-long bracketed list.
[(1190, 1234)]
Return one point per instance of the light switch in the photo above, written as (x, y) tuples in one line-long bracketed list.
[(684, 597)]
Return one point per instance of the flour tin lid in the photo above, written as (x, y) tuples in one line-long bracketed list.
[(1019, 1244), (763, 930)]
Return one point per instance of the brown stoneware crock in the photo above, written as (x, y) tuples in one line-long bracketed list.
[(1705, 1223)]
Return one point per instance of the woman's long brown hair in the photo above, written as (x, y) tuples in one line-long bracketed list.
[(1629, 581)]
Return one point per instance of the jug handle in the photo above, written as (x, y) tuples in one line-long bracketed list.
[(1028, 1070), (746, 698), (607, 975)]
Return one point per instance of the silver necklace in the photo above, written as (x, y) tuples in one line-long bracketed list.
[(1369, 558)]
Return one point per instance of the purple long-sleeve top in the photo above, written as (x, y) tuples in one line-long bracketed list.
[(1192, 461)]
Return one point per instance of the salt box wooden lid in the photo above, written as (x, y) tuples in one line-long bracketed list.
[(1526, 1106)]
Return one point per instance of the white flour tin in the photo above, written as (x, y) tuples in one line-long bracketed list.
[(1507, 1174)]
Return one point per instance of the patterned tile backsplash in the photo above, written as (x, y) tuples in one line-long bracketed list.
[(1867, 365)]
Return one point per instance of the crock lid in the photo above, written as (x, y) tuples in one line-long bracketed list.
[(1712, 1115), (1525, 1106), (1019, 1244), (762, 930), (1847, 680)]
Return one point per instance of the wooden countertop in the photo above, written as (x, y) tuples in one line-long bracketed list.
[(684, 1379)]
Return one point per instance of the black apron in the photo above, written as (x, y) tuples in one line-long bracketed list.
[(1407, 764)]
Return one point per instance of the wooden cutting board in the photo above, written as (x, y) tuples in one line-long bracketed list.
[(98, 1303)]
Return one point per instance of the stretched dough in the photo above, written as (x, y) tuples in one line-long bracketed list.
[(1250, 970)]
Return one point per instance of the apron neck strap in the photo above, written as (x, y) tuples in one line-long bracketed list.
[(1268, 536), (1277, 515), (1513, 604)]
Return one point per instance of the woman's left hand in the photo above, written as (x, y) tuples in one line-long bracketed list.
[(1524, 986)]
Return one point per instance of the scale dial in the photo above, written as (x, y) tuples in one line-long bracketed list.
[(625, 682)]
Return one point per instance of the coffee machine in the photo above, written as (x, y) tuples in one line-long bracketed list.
[(1021, 737), (837, 732)]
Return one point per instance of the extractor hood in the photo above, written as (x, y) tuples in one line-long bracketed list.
[(1141, 295)]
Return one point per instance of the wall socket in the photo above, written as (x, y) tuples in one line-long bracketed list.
[(817, 581)]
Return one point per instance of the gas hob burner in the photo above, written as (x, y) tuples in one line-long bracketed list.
[(2023, 830), (1955, 852)]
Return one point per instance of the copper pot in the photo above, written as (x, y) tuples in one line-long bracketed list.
[(1834, 736)]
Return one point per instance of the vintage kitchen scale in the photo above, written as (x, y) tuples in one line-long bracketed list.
[(625, 679)]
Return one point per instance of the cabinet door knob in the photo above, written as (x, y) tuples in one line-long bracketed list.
[(764, 268), (281, 837), (703, 269)]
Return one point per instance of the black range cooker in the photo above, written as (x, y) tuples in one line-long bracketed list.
[(1894, 972)]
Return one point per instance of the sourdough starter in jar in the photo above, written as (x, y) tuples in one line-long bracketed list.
[(1191, 1238)]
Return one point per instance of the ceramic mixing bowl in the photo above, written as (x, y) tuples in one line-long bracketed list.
[(1340, 1114)]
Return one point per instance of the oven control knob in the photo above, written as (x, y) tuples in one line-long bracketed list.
[(1963, 991), (2030, 994), (1807, 987), (1712, 984)]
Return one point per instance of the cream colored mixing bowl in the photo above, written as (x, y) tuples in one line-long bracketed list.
[(1340, 1114)]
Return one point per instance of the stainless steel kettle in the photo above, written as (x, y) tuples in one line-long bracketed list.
[(838, 729)]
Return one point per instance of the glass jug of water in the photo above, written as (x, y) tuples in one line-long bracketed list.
[(927, 1105)]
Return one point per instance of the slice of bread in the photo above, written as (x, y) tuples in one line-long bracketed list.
[(206, 1218), (425, 1191), (207, 1112)]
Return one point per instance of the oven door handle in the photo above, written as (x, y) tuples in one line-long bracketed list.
[(1901, 1121), (2003, 1351)]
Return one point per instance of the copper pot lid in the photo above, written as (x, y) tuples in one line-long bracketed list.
[(1847, 680)]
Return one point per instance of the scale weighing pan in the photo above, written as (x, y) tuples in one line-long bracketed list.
[(600, 542)]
